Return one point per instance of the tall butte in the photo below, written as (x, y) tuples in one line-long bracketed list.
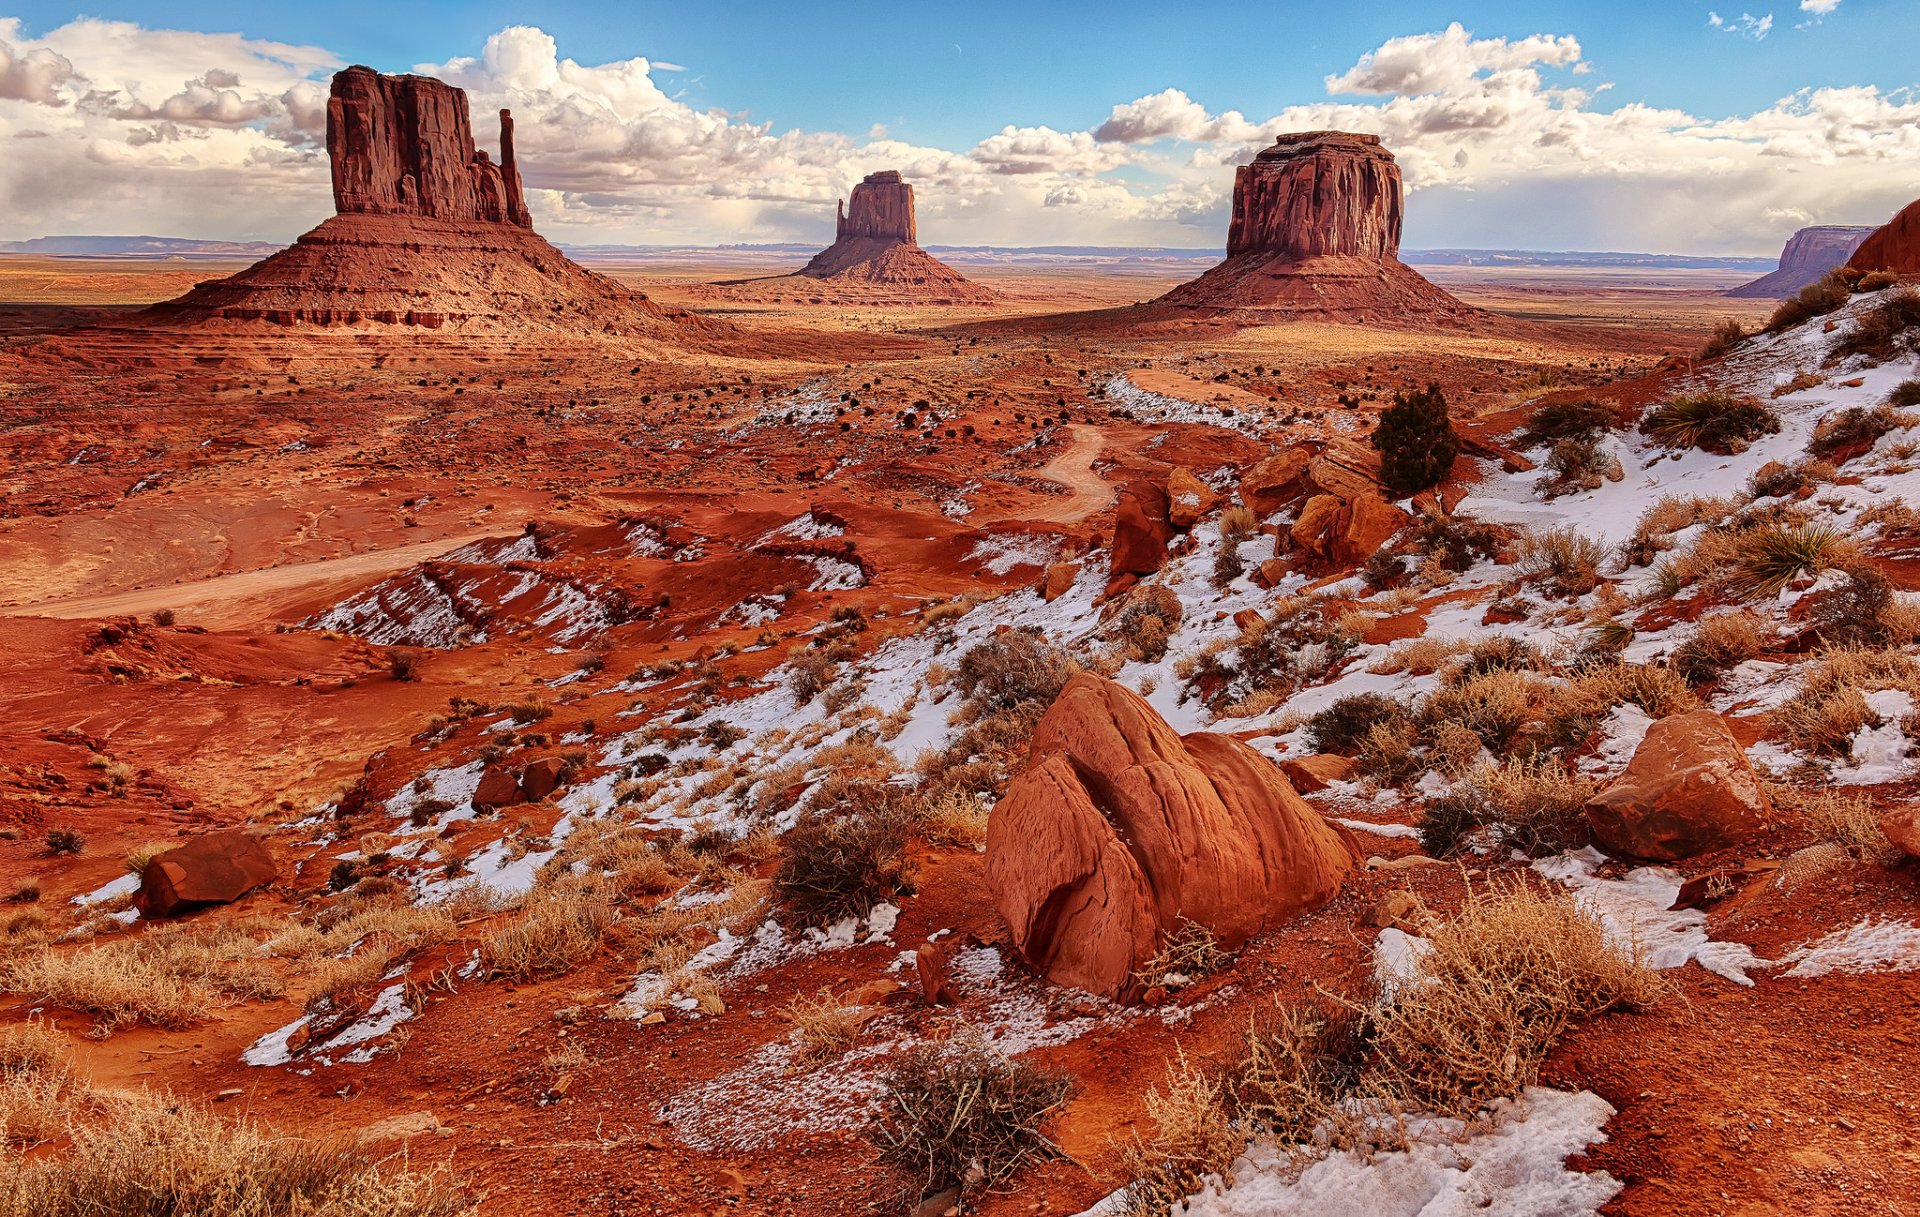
[(430, 233), (875, 258), (1316, 236)]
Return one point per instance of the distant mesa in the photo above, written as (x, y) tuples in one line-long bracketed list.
[(1893, 247), (1315, 235), (431, 233), (875, 258), (1810, 253)]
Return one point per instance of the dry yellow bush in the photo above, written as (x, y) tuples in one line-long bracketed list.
[(823, 1026), (1831, 706), (559, 928), (1193, 1138)]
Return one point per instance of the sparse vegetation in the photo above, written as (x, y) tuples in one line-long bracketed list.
[(823, 1025), (1884, 330), (1765, 560), (961, 1115), (1712, 421), (1416, 441), (1831, 707), (1814, 300), (1720, 643), (64, 841), (841, 861), (1728, 334), (1344, 725), (1855, 429), (1567, 420), (1147, 624), (1561, 560), (559, 927)]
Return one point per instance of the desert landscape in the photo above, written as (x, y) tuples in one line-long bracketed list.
[(497, 727)]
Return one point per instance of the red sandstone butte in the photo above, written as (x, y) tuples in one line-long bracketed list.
[(1316, 235), (431, 233)]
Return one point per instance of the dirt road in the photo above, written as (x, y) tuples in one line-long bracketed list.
[(1072, 467)]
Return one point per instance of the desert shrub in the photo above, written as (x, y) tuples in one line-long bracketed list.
[(961, 1115), (1238, 524), (1720, 643), (1457, 543), (809, 670), (1531, 804), (1885, 329), (1577, 464), (1019, 667), (1416, 441), (1863, 610), (841, 862), (1713, 421), (1563, 420), (1272, 658), (1905, 395), (1494, 653), (1561, 560), (1856, 428), (169, 977), (1830, 707), (1147, 624), (1777, 480), (403, 665), (1494, 705), (529, 711), (1388, 752), (1228, 565), (154, 1156), (1185, 953), (1876, 281), (1343, 725), (824, 1027), (1503, 979), (1653, 534), (1814, 300), (1766, 559), (1382, 570), (162, 617), (64, 841), (559, 928), (1194, 1137), (1725, 336)]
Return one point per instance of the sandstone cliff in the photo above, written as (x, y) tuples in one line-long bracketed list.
[(1315, 234), (1810, 253), (1893, 247)]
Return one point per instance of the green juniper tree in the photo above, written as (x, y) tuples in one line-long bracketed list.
[(1416, 441)]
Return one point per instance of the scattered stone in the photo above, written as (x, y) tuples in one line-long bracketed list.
[(930, 961), (1311, 773), (215, 869), (1188, 498), (1689, 789), (1059, 580), (1902, 827)]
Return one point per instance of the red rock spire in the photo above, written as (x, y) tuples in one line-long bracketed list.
[(403, 145)]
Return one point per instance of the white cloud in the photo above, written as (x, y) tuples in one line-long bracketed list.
[(112, 128), (1819, 7), (1746, 25)]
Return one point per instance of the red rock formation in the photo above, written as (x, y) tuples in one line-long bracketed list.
[(1810, 253), (431, 234), (1142, 527), (402, 145), (1894, 247), (1316, 234), (1119, 829), (874, 258), (1689, 789), (213, 869)]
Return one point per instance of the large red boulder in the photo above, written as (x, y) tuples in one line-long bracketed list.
[(1120, 829), (1276, 481), (1689, 789), (499, 787), (1341, 532), (1142, 527), (1894, 247), (214, 869), (1188, 498), (541, 777)]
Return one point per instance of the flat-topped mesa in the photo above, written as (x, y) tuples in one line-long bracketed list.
[(1809, 254), (403, 145), (1315, 235), (880, 208), (1318, 194)]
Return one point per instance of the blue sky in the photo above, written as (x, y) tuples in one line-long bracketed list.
[(952, 72), (1671, 127)]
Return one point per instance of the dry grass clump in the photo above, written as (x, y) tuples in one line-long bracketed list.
[(1533, 804), (1712, 421), (1455, 543), (824, 1027), (1855, 429), (954, 818), (1187, 952), (1885, 330), (1764, 560), (36, 1085), (1577, 464), (1561, 560), (839, 861), (1817, 299), (1668, 515), (559, 928), (1720, 643), (1905, 395), (1418, 656), (1493, 705), (1343, 725), (168, 977), (1147, 624), (1504, 978), (1500, 982), (1568, 420), (1728, 334), (1850, 821), (156, 1156), (1300, 642), (1238, 524), (1017, 668), (1864, 610), (961, 1115), (1830, 708)]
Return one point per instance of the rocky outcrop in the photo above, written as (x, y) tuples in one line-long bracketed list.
[(1894, 247), (1188, 498), (215, 869), (875, 258), (1689, 789), (1119, 830), (1142, 527), (431, 234), (403, 145), (1315, 234), (1341, 532), (1810, 253)]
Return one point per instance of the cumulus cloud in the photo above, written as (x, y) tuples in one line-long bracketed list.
[(1819, 7), (111, 127), (1746, 25)]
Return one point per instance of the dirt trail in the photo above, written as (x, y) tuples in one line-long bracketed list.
[(1072, 467), (248, 586)]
